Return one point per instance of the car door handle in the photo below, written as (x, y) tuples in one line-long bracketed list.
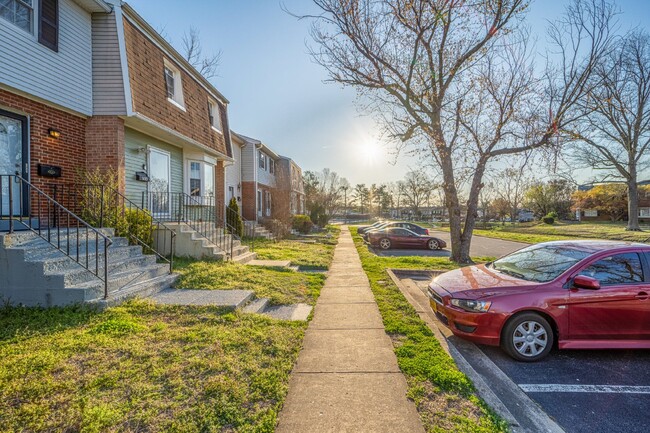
[(642, 296)]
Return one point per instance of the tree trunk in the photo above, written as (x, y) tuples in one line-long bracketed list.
[(472, 214), (632, 202)]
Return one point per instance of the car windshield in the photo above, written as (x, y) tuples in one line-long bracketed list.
[(539, 263)]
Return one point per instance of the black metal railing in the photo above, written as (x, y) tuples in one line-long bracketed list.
[(104, 206), (203, 214), (28, 208)]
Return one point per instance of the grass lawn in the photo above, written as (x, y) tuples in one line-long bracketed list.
[(281, 286), (308, 253), (143, 368), (443, 395), (540, 232)]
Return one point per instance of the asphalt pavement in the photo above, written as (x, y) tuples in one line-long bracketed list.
[(480, 247)]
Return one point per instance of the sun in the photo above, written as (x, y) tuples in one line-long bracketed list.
[(370, 152)]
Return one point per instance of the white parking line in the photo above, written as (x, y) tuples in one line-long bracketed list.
[(617, 389)]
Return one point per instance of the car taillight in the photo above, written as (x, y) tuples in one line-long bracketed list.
[(427, 230)]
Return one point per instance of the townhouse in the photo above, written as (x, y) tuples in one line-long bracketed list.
[(258, 174), (290, 186)]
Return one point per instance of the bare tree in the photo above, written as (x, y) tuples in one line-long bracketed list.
[(193, 53), (414, 62), (615, 134), (511, 185), (416, 189)]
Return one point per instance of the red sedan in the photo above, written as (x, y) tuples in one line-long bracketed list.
[(395, 237), (582, 294)]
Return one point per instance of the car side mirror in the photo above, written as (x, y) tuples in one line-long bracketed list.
[(585, 282)]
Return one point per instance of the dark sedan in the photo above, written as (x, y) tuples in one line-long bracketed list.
[(398, 224), (397, 237), (362, 229)]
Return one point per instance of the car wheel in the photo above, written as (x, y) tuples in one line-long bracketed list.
[(384, 243), (433, 244), (527, 337)]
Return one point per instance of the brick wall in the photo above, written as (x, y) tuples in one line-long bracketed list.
[(146, 63), (68, 151), (105, 145), (248, 201)]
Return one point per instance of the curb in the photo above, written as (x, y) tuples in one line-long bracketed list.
[(458, 348)]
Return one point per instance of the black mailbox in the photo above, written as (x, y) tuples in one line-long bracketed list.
[(141, 176), (49, 170)]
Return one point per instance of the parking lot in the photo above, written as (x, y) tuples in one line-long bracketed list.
[(599, 391), (481, 247)]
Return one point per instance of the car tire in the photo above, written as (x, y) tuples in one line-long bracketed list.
[(433, 244), (384, 243), (527, 337)]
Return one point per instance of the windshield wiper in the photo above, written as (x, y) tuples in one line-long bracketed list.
[(512, 273)]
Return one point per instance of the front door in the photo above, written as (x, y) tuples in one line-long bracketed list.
[(159, 181), (13, 160)]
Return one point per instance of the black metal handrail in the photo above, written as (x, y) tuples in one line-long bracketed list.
[(50, 217), (200, 213), (106, 207)]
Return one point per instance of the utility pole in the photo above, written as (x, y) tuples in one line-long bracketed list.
[(345, 204)]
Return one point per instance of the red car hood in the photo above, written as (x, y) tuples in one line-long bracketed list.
[(479, 280)]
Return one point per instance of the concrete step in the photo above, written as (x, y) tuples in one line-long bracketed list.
[(79, 275), (257, 306), (41, 250), (231, 299), (60, 262), (142, 289), (298, 312), (244, 258), (95, 289)]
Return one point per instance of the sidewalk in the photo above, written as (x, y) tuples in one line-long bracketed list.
[(346, 378)]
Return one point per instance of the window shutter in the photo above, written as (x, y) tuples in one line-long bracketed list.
[(48, 24)]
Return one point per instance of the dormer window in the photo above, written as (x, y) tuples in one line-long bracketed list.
[(18, 12), (214, 115), (173, 85)]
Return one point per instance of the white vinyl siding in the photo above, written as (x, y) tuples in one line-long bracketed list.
[(233, 172), (135, 160), (248, 162), (63, 78), (108, 83)]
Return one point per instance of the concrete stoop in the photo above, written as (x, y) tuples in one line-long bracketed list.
[(190, 243), (241, 300), (34, 273)]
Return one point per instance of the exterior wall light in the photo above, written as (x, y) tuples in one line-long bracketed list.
[(54, 133)]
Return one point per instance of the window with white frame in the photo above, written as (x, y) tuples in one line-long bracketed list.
[(644, 212), (201, 180), (259, 202), (271, 166), (214, 113), (18, 12), (173, 85), (262, 160), (268, 204), (591, 213)]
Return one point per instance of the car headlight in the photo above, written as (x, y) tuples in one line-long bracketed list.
[(472, 305)]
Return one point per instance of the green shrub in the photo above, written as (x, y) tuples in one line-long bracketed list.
[(139, 227), (302, 223), (235, 225), (548, 219), (318, 215), (553, 214)]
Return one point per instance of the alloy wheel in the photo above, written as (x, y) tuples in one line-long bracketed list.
[(433, 244), (384, 244)]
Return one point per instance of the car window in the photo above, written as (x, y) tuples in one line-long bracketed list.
[(616, 269), (400, 232), (539, 263)]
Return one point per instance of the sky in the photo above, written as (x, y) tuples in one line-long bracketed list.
[(279, 95)]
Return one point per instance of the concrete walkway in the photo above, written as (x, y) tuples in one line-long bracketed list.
[(346, 378)]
